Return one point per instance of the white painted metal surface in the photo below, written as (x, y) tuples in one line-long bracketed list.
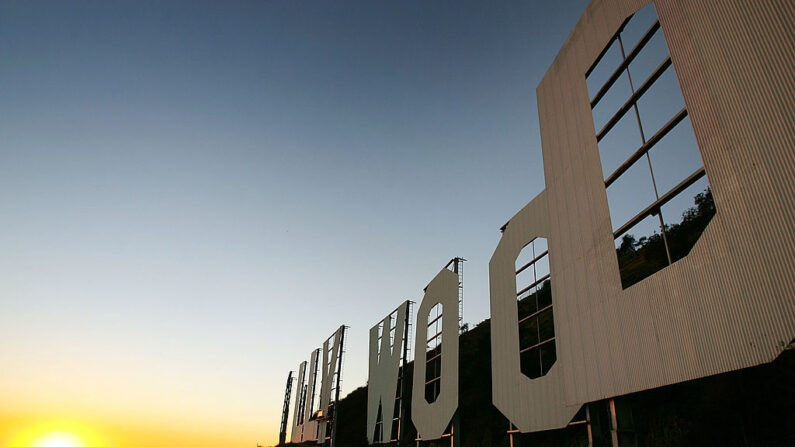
[(514, 394), (310, 427), (730, 303), (432, 419), (297, 428), (328, 367), (383, 372)]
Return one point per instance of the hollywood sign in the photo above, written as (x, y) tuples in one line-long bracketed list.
[(603, 320)]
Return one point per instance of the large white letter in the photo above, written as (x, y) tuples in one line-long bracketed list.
[(309, 427), (383, 373), (530, 404), (431, 419), (300, 398), (328, 369)]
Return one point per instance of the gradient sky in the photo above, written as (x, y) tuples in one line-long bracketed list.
[(195, 194)]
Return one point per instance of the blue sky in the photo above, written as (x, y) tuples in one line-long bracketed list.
[(196, 194)]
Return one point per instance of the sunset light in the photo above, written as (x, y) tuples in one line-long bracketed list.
[(58, 439), (247, 223), (56, 433)]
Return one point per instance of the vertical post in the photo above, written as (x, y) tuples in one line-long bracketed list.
[(403, 371), (458, 268), (455, 431), (613, 422), (286, 408), (588, 421), (335, 416)]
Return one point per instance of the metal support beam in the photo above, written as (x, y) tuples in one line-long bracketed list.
[(613, 422), (335, 415), (590, 428), (286, 408)]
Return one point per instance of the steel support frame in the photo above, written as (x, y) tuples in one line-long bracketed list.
[(286, 408)]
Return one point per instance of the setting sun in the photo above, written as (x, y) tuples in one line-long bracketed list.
[(55, 433), (58, 439)]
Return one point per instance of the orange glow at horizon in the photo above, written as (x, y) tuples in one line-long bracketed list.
[(51, 433), (31, 431)]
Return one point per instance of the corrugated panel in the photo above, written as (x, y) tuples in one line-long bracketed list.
[(531, 404), (730, 303), (328, 367), (309, 428), (432, 419), (297, 430), (383, 372)]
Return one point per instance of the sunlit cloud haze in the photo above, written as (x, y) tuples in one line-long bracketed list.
[(195, 194)]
